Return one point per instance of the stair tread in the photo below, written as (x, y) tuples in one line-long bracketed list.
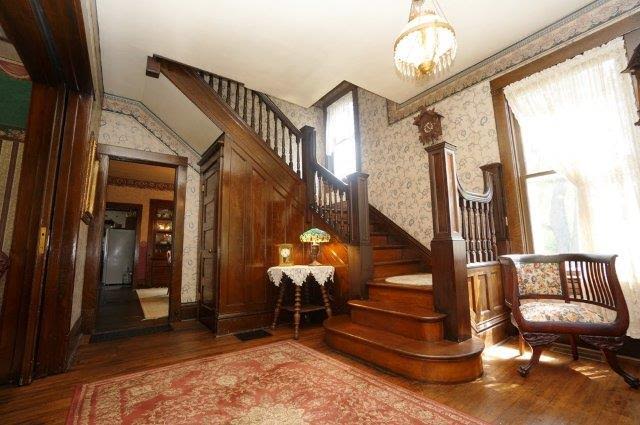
[(423, 314), (440, 350), (381, 283)]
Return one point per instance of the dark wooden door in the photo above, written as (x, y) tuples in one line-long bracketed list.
[(209, 245), (160, 243)]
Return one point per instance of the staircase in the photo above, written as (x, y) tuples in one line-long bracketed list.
[(397, 327)]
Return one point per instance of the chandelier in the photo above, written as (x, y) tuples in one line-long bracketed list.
[(426, 45)]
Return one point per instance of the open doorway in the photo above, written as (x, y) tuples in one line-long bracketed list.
[(137, 247)]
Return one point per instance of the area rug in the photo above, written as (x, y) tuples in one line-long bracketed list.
[(154, 302), (281, 383)]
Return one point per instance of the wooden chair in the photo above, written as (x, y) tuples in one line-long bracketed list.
[(567, 294)]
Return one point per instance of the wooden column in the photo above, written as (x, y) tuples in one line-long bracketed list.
[(450, 290), (308, 162), (360, 251), (493, 173)]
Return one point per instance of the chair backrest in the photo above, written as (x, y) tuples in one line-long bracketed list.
[(572, 277)]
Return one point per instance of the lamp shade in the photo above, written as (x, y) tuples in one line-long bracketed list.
[(315, 236)]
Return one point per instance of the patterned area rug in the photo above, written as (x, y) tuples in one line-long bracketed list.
[(279, 384), (154, 302)]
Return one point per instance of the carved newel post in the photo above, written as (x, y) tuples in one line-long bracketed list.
[(360, 250), (448, 249)]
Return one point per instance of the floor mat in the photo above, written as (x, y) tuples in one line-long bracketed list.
[(154, 302)]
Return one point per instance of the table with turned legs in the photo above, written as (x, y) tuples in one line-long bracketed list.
[(299, 275)]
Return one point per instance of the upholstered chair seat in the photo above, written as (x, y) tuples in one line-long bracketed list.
[(541, 311)]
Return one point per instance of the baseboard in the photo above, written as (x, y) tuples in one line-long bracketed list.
[(188, 311), (590, 353)]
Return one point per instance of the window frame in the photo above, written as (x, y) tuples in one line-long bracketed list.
[(327, 100)]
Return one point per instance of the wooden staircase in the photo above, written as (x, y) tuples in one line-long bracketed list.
[(397, 327)]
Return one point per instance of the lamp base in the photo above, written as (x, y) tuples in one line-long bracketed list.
[(315, 249)]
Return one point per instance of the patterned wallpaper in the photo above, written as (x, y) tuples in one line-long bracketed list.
[(398, 165), (129, 124)]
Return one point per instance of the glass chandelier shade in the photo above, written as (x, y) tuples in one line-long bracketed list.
[(426, 45), (315, 236)]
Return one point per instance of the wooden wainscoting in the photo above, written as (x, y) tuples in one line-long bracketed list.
[(489, 316)]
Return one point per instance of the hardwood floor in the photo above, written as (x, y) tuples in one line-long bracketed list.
[(558, 391), (120, 309)]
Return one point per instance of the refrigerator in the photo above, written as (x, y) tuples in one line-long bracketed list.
[(119, 251)]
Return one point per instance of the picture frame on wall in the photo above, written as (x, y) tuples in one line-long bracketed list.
[(90, 181)]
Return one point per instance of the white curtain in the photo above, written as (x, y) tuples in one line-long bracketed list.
[(581, 114), (340, 141)]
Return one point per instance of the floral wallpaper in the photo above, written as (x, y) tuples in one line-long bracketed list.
[(129, 124), (398, 165)]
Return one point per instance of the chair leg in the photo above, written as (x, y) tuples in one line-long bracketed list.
[(612, 359), (574, 347), (522, 345), (535, 358), (537, 342)]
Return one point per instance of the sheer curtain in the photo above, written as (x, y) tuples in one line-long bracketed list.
[(340, 143), (580, 115)]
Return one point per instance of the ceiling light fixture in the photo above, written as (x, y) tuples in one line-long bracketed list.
[(426, 45)]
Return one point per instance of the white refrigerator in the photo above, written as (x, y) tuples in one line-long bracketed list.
[(119, 250)]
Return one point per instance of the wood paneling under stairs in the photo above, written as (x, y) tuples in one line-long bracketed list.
[(560, 391)]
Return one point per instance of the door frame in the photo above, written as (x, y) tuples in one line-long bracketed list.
[(105, 154)]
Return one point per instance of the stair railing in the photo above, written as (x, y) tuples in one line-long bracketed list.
[(260, 113), (469, 228)]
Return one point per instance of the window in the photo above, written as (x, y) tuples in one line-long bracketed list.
[(580, 153), (341, 145)]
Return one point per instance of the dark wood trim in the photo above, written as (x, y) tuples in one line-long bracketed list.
[(8, 189), (334, 94), (93, 258), (53, 338), (75, 335), (92, 266), (22, 293), (508, 131), (143, 157), (123, 206), (189, 311)]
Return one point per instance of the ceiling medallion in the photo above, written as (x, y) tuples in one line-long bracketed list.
[(426, 45)]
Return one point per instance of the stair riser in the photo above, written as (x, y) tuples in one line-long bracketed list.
[(388, 270), (377, 240), (402, 296), (405, 326), (426, 370), (392, 254)]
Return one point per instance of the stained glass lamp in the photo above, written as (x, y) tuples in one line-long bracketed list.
[(315, 237)]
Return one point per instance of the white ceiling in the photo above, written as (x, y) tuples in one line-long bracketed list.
[(298, 50)]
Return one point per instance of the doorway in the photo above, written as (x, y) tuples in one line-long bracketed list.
[(139, 242)]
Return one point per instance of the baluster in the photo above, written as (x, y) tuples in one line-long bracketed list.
[(220, 86), (228, 99), (334, 195), (253, 111), (283, 150), (478, 247), (244, 108), (472, 232), (492, 227), (260, 118), (299, 155), (237, 108), (290, 150), (316, 180), (268, 125), (210, 80), (275, 132), (344, 214), (483, 231)]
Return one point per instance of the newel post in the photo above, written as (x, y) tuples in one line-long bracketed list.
[(493, 173), (308, 162), (449, 268), (360, 251)]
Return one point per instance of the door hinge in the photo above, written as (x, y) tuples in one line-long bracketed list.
[(42, 240)]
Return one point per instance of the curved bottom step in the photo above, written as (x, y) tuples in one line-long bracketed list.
[(442, 362)]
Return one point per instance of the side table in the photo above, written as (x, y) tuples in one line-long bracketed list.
[(299, 275)]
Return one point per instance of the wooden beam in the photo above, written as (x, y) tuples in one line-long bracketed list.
[(153, 67), (144, 157)]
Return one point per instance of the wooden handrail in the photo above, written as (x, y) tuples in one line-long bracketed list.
[(276, 110), (335, 181)]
